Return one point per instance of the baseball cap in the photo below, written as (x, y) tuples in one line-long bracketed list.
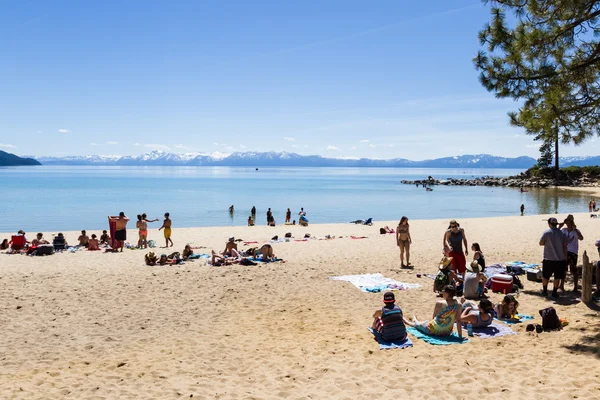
[(389, 297), (552, 221)]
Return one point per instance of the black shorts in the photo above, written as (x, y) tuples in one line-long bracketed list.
[(121, 235), (572, 261), (556, 268)]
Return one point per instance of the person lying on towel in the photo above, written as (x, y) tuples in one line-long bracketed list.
[(389, 320)]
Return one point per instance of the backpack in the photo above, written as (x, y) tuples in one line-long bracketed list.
[(516, 281), (550, 320), (441, 280)]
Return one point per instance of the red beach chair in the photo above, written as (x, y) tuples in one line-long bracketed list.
[(17, 242)]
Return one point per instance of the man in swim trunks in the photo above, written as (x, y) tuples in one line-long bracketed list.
[(120, 229), (454, 238), (167, 227), (84, 239)]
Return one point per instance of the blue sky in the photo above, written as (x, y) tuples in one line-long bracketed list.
[(338, 78)]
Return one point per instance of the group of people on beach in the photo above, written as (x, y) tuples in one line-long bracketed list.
[(271, 219), (142, 227)]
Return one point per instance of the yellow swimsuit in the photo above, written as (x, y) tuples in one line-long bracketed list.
[(167, 233)]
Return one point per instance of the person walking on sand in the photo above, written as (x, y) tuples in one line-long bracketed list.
[(555, 256), (573, 236), (288, 216), (120, 229), (454, 238), (403, 240), (167, 227)]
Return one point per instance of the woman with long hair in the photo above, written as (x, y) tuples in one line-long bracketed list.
[(403, 240)]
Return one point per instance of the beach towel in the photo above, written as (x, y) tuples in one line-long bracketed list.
[(494, 330), (522, 317), (358, 237), (383, 345), (436, 340), (247, 243), (197, 256), (374, 282)]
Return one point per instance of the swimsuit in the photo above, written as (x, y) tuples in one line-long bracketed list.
[(121, 235), (167, 233), (443, 323)]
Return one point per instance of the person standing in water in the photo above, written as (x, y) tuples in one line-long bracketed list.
[(288, 216), (269, 216), (167, 227), (522, 209), (403, 240), (253, 212)]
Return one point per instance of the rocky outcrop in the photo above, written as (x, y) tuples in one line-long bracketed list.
[(511, 181)]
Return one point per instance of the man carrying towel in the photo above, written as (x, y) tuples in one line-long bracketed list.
[(555, 257), (120, 229), (389, 321)]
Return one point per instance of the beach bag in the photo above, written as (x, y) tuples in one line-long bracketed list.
[(550, 320), (441, 280), (514, 270)]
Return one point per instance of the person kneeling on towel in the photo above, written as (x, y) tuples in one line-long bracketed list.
[(389, 321)]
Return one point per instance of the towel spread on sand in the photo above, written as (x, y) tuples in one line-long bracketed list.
[(197, 256), (383, 345), (374, 282), (522, 317), (436, 340), (494, 330)]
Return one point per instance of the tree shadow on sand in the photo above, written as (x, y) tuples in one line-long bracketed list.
[(589, 343), (565, 299)]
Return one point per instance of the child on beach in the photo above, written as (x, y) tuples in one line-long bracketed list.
[(508, 308), (478, 255)]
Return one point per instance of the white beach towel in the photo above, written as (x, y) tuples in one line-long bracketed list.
[(375, 282)]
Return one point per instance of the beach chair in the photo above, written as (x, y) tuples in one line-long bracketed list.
[(59, 243), (368, 222), (17, 242)]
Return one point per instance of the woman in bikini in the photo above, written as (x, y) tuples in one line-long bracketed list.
[(142, 226), (403, 240)]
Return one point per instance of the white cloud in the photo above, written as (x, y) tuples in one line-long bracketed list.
[(137, 144), (390, 145), (353, 148), (8, 146), (64, 130), (242, 146), (332, 148), (180, 146), (93, 144), (289, 139), (372, 146), (155, 146), (295, 146), (216, 144), (112, 143), (364, 141)]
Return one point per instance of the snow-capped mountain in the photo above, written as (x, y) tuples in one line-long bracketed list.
[(286, 159)]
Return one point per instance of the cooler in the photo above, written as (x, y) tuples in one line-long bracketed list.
[(502, 283), (534, 275)]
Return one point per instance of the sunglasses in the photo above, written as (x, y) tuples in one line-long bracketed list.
[(453, 226)]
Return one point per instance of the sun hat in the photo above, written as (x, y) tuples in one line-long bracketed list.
[(445, 262), (473, 267), (389, 297)]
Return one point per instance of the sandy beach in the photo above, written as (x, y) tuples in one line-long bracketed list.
[(90, 325)]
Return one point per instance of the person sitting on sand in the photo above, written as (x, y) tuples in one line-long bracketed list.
[(508, 308), (187, 252), (150, 258), (389, 320), (39, 239), (4, 245), (83, 239), (266, 251), (473, 282), (104, 238), (446, 313), (478, 256), (218, 260), (94, 243), (481, 317), (445, 275), (231, 249), (60, 242), (250, 221), (20, 233)]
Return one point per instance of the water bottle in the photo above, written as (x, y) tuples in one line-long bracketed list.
[(470, 329)]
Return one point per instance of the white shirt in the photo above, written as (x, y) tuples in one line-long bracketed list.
[(572, 240)]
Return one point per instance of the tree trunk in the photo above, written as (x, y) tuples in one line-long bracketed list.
[(586, 279), (556, 166)]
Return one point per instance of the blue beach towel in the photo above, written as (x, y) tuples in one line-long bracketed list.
[(383, 345), (196, 256), (522, 317), (436, 340), (494, 330)]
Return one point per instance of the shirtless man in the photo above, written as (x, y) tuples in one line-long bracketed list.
[(39, 239), (84, 239), (288, 216), (167, 227), (120, 229), (231, 248)]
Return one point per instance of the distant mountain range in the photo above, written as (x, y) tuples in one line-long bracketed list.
[(285, 159), (10, 160)]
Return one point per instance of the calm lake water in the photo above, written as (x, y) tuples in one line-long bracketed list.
[(52, 198)]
